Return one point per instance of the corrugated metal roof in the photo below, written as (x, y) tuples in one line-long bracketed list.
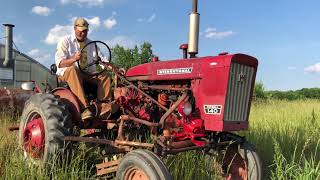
[(28, 57)]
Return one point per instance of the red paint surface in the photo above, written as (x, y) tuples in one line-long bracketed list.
[(34, 137), (69, 98), (209, 82)]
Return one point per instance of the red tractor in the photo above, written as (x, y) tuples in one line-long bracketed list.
[(187, 104)]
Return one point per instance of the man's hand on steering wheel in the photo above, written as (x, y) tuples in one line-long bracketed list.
[(76, 56), (96, 59), (122, 71)]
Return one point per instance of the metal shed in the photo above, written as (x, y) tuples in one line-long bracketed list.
[(17, 67)]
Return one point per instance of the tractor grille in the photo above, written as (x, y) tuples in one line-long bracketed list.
[(238, 94)]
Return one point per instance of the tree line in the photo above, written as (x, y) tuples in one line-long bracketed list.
[(305, 93), (127, 57)]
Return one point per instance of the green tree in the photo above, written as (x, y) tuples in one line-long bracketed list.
[(146, 52), (136, 56), (126, 57), (259, 91)]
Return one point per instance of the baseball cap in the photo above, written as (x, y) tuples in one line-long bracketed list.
[(81, 24)]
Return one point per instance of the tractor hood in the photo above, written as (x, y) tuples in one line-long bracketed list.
[(184, 68)]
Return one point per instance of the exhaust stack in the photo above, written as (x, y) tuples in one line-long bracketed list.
[(8, 45), (194, 30)]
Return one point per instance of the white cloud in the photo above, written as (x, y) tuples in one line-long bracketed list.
[(149, 19), (122, 41), (313, 68), (41, 10), (33, 52), (94, 22), (84, 2), (43, 58), (58, 32), (111, 21), (292, 68), (90, 3), (212, 33), (18, 39), (140, 19)]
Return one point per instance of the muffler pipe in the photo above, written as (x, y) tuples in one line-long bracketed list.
[(193, 43), (8, 45)]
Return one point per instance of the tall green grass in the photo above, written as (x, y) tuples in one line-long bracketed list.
[(287, 136), (193, 165), (13, 165), (285, 133)]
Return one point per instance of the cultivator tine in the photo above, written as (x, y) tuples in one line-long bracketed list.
[(107, 167)]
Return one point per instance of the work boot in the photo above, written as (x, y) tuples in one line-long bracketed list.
[(86, 114), (105, 110)]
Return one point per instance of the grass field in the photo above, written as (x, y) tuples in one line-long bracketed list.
[(287, 137), (285, 133)]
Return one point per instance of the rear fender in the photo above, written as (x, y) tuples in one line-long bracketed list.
[(71, 100)]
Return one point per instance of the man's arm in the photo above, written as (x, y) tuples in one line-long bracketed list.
[(62, 56), (69, 62)]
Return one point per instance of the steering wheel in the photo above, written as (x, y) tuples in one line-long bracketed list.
[(96, 59)]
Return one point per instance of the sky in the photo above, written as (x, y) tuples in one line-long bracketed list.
[(284, 35)]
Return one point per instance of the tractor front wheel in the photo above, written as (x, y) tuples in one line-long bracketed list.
[(44, 123), (238, 161), (142, 165)]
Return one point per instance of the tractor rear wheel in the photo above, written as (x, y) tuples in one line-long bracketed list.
[(44, 123), (241, 162), (142, 165)]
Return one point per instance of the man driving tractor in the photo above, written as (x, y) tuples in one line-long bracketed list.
[(67, 54)]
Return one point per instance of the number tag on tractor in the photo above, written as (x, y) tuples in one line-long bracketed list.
[(213, 109)]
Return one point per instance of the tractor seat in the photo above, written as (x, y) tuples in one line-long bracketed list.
[(90, 89)]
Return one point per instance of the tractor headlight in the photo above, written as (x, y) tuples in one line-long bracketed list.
[(185, 108)]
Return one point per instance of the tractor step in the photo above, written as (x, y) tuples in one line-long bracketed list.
[(107, 167)]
